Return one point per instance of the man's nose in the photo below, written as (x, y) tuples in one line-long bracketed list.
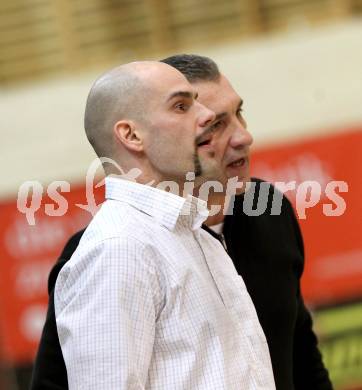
[(241, 137), (206, 115)]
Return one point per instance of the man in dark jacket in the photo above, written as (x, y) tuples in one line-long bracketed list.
[(267, 250)]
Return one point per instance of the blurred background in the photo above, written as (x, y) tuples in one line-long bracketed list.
[(296, 63)]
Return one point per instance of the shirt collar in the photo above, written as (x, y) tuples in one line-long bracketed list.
[(167, 208)]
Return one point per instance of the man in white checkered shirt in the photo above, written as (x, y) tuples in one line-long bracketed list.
[(149, 300)]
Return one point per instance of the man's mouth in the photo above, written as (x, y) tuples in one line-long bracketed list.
[(203, 143), (238, 163), (205, 138)]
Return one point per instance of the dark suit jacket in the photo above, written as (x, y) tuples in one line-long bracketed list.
[(267, 251)]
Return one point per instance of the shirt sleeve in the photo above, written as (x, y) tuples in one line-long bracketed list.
[(308, 368), (106, 302)]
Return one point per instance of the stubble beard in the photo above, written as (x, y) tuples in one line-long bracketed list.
[(197, 165)]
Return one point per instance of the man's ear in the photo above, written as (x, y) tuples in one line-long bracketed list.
[(126, 132)]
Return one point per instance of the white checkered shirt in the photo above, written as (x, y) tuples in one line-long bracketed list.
[(150, 300)]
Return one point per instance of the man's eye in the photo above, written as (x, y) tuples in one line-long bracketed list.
[(216, 125), (181, 106)]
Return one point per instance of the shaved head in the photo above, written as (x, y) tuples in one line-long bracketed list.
[(121, 93)]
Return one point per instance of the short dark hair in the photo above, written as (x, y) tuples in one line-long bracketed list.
[(194, 67)]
